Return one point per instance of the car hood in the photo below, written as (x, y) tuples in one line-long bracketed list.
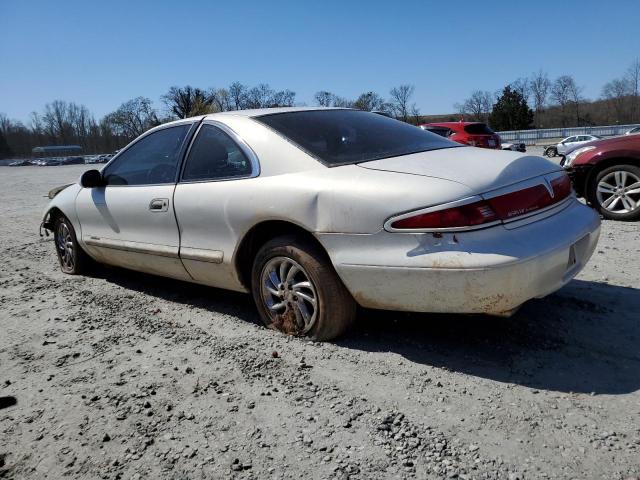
[(479, 169)]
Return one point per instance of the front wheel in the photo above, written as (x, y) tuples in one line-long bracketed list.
[(73, 260), (298, 292), (551, 152), (615, 192)]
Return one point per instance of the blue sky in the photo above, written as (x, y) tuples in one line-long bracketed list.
[(101, 54)]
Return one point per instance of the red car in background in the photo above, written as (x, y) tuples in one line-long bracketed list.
[(607, 173), (475, 134)]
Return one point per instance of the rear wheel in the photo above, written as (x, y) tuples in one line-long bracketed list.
[(615, 192), (73, 260), (298, 292)]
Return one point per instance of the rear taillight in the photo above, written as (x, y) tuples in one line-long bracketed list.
[(469, 215), (500, 208), (561, 187), (530, 199)]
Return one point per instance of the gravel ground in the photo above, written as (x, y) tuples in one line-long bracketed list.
[(125, 375)]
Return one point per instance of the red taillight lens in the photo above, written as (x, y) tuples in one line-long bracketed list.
[(530, 199), (520, 202), (503, 207), (468, 215), (561, 187)]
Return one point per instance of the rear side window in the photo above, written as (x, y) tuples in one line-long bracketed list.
[(442, 131), (478, 129), (215, 156), (341, 137)]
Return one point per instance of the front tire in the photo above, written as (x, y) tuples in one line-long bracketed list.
[(73, 260), (298, 292), (551, 152), (615, 192)]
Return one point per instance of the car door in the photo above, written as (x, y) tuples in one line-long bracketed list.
[(213, 203), (566, 145), (130, 222)]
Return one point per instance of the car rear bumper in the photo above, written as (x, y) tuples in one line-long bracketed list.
[(485, 271)]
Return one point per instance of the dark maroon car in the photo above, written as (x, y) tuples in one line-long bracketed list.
[(607, 173)]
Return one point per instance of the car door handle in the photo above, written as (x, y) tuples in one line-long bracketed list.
[(159, 205)]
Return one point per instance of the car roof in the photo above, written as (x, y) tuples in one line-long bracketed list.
[(269, 111), (246, 113)]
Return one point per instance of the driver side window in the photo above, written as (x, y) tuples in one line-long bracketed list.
[(152, 160)]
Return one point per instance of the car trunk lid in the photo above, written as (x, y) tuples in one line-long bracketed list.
[(479, 169)]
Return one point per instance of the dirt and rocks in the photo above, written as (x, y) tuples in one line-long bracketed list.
[(121, 375)]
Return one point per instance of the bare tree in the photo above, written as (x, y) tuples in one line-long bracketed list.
[(133, 118), (370, 101), (539, 84), (561, 91), (415, 113), (238, 95), (633, 78), (324, 98), (576, 97), (523, 87), (342, 102), (616, 92), (400, 98), (477, 107), (283, 98), (188, 101), (221, 99), (5, 124)]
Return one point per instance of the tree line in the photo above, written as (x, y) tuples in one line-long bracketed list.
[(528, 102), (67, 123), (539, 102)]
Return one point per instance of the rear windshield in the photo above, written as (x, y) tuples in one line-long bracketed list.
[(340, 137), (478, 129)]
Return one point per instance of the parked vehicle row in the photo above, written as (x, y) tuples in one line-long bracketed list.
[(56, 161), (315, 211)]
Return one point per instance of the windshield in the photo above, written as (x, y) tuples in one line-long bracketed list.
[(340, 137)]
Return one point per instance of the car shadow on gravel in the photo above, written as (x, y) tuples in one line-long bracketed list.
[(214, 300), (583, 339)]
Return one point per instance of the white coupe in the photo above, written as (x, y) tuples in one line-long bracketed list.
[(315, 211)]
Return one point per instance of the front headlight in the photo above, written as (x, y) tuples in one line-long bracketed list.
[(573, 155)]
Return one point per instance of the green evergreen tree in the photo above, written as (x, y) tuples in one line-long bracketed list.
[(511, 112)]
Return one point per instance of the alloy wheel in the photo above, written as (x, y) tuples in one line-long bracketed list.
[(64, 242), (619, 192), (289, 295)]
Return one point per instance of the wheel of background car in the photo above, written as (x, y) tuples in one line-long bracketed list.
[(615, 192), (551, 152), (298, 292), (73, 260)]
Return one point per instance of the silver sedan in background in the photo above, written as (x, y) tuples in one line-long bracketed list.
[(316, 211), (573, 142)]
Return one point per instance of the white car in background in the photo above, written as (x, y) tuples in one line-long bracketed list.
[(633, 131), (571, 143), (315, 211)]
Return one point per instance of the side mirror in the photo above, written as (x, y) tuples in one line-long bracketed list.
[(92, 179)]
